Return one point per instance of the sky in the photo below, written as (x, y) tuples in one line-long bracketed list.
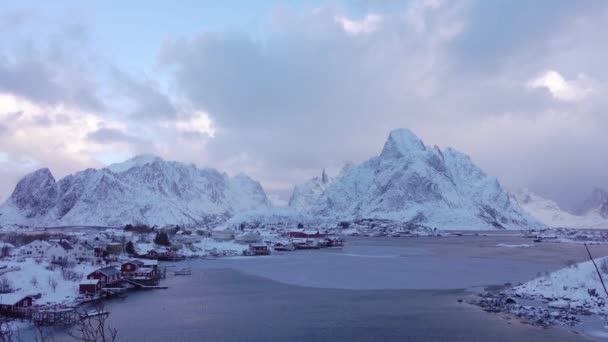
[(280, 90)]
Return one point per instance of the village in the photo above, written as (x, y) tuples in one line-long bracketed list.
[(46, 274)]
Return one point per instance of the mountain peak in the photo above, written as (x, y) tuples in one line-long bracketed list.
[(139, 160), (402, 142)]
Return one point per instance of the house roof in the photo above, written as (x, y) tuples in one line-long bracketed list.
[(65, 245), (89, 281), (108, 271), (39, 242), (134, 261), (11, 298)]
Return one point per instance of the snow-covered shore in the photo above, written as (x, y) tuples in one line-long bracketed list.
[(576, 287)]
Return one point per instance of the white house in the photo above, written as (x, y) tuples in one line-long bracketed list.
[(248, 237), (35, 249), (61, 252), (83, 251), (222, 234)]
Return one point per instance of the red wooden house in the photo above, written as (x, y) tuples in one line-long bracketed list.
[(106, 275), (140, 269), (13, 302), (306, 234), (90, 286)]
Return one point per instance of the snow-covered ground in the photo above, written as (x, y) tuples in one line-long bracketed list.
[(209, 246), (30, 278), (575, 287)]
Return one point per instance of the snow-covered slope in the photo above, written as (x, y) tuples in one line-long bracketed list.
[(597, 199), (576, 286), (145, 189), (552, 215), (412, 183)]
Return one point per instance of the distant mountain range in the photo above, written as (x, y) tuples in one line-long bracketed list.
[(409, 182), (145, 189), (417, 185), (592, 213)]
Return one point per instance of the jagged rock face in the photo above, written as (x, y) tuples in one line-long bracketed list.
[(306, 194), (36, 193), (410, 182), (145, 189)]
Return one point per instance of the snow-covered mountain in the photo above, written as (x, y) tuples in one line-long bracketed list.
[(425, 186), (552, 215), (145, 189), (306, 194)]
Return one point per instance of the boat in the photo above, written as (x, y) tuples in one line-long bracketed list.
[(183, 271)]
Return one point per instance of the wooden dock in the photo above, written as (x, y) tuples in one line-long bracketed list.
[(144, 286)]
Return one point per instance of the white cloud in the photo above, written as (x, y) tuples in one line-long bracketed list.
[(368, 24), (199, 122), (561, 89)]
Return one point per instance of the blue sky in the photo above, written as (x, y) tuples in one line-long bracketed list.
[(282, 89)]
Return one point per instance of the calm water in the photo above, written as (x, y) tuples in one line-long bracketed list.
[(366, 292)]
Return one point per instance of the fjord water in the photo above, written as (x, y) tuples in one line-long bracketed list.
[(379, 289)]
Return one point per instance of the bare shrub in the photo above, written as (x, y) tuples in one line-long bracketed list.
[(6, 331), (71, 275), (53, 283), (94, 328), (34, 281), (6, 285)]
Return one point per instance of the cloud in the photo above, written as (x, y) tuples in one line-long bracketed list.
[(318, 87), (368, 24), (106, 135), (569, 91), (147, 100)]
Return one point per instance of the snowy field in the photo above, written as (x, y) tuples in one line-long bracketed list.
[(54, 286)]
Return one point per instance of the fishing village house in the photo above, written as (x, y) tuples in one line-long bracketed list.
[(83, 251), (62, 253), (13, 303), (140, 269), (106, 275), (35, 249), (90, 286)]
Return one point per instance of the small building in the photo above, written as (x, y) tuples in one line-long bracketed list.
[(14, 302), (305, 234), (61, 252), (222, 234), (84, 251), (147, 269), (106, 275), (129, 267), (257, 249), (35, 249), (248, 237), (90, 286), (99, 251), (6, 249)]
